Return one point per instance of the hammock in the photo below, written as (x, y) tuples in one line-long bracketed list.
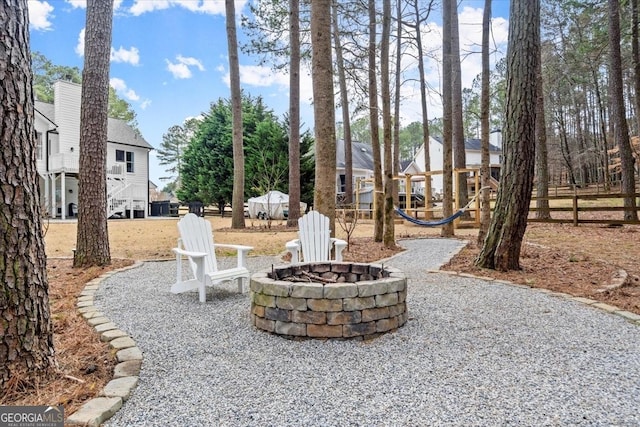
[(443, 221)]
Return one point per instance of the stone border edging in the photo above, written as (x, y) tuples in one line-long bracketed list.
[(126, 373), (627, 315)]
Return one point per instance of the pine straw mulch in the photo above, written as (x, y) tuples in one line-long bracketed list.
[(84, 363), (579, 261)]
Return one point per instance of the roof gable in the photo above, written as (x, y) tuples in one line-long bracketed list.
[(118, 131), (362, 157)]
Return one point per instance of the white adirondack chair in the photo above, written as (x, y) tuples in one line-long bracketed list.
[(196, 243), (315, 241)]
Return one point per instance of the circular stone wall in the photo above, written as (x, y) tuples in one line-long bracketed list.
[(345, 300)]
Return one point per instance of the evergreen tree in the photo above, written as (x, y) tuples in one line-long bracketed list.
[(206, 169)]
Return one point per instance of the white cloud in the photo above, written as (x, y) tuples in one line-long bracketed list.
[(131, 95), (40, 15), (201, 6), (144, 104), (190, 62), (141, 6), (80, 46), (130, 56), (118, 84), (80, 4), (256, 75), (180, 69), (123, 90)]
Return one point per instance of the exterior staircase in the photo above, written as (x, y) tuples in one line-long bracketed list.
[(118, 194)]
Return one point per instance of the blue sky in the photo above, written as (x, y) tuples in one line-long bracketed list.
[(169, 58)]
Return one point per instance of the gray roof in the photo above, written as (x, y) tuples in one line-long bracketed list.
[(118, 131), (361, 155), (472, 144)]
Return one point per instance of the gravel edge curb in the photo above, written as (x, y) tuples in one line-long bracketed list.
[(129, 357)]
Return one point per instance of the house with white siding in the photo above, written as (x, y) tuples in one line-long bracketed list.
[(436, 160), (58, 150)]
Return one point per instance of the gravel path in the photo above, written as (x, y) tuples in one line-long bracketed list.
[(472, 353)]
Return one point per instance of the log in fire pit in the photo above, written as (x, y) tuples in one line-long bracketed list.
[(329, 300)]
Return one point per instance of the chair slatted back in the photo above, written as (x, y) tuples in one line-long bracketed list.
[(314, 236), (196, 236)]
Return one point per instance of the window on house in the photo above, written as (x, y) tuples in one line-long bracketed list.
[(39, 145), (129, 161), (125, 156)]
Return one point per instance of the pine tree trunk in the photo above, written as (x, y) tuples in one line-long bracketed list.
[(374, 116), (237, 198), (323, 112), (621, 128), (542, 165), (92, 246), (26, 334), (485, 157), (396, 106), (458, 137), (501, 249), (447, 142), (344, 106), (389, 226), (294, 114)]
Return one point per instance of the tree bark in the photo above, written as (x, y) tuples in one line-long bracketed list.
[(237, 198), (92, 247), (501, 249), (457, 124), (635, 49), (542, 165), (378, 213), (385, 81), (323, 111), (485, 157), (447, 123), (294, 114), (344, 106), (26, 333), (396, 103), (621, 128)]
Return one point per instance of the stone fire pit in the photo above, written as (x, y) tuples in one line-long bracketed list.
[(329, 300)]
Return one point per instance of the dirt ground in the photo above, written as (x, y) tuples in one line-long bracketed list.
[(575, 260)]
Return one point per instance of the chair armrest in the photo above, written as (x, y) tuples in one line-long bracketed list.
[(293, 247), (239, 248), (189, 254), (241, 251), (339, 245)]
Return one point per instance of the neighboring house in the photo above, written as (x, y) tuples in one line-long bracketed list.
[(473, 160), (362, 161), (58, 138)]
